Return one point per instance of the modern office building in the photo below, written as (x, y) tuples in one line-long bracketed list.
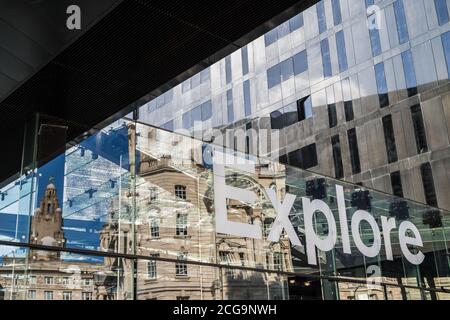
[(310, 163)]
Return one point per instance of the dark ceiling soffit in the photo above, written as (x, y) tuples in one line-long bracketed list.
[(85, 29), (243, 41)]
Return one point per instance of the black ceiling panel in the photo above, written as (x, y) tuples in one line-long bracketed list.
[(137, 48)]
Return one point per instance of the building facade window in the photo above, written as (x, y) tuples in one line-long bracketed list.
[(428, 184), (228, 75), (336, 7), (48, 280), (296, 22), (244, 57), (389, 138), (151, 268), (321, 18), (300, 62), (419, 129), (65, 281), (304, 158), (86, 296), (271, 37), (48, 295), (441, 11), (181, 269), (154, 228), (247, 98), (230, 111), (354, 151), (67, 295), (396, 183), (446, 46), (348, 110), (374, 34), (332, 115), (410, 74), (381, 85), (31, 294), (180, 192), (400, 18), (337, 157), (181, 224), (33, 279), (342, 51), (278, 261), (153, 191), (326, 59)]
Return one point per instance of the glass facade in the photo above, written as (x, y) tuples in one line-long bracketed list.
[(310, 164)]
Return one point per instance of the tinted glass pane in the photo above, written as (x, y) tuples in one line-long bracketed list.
[(342, 54), (244, 55), (296, 22), (290, 114), (309, 155), (389, 139), (321, 17), (228, 69), (428, 184), (410, 74), (274, 76), (381, 84), (332, 115), (336, 6), (304, 108), (186, 120), (168, 125), (304, 158), (247, 98), (287, 69), (396, 182), (348, 108), (206, 110), (419, 129), (205, 75), (441, 11), (326, 61), (300, 62), (308, 108), (402, 27), (337, 157), (270, 37), (283, 29), (196, 115), (375, 39), (369, 3), (446, 46), (195, 81), (230, 111), (276, 120), (354, 151)]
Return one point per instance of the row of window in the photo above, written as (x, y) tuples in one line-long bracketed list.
[(286, 69), (291, 114), (181, 226), (200, 113), (284, 29), (196, 80), (48, 280), (66, 295), (181, 269)]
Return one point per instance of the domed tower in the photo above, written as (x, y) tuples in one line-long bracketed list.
[(46, 225)]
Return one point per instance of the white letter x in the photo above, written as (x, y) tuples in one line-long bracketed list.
[(282, 221)]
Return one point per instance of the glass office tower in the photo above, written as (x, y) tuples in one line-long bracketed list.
[(309, 164)]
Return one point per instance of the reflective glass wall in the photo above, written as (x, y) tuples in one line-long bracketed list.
[(361, 86), (138, 212)]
